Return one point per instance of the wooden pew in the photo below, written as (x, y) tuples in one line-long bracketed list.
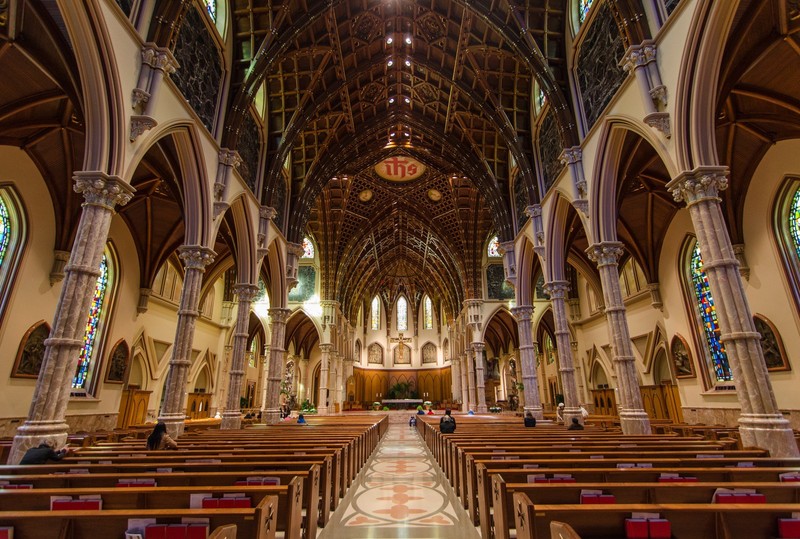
[(225, 532), (688, 521), (257, 523)]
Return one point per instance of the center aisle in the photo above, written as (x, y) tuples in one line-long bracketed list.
[(400, 493)]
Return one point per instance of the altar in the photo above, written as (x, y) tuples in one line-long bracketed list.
[(405, 403)]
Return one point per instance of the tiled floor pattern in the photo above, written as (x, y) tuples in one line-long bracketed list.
[(400, 493)]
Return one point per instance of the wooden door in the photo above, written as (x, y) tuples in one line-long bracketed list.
[(133, 408), (662, 402), (197, 405), (605, 402)]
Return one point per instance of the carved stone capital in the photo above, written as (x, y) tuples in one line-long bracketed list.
[(144, 299), (582, 205), (570, 156), (534, 210), (700, 184), (100, 189), (60, 259), (196, 256), (160, 58), (229, 158), (280, 316), (295, 249), (660, 121), (140, 124), (605, 253), (268, 213), (522, 313), (634, 57), (655, 295), (557, 289), (246, 292), (659, 95), (139, 97)]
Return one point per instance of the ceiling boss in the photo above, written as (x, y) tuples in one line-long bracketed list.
[(400, 168)]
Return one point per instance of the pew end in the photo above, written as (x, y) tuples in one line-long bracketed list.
[(224, 532)]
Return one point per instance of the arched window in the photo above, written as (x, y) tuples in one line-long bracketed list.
[(308, 248), (402, 314), (376, 313), (427, 314), (706, 313), (98, 311), (583, 9), (494, 248), (786, 226), (12, 240)]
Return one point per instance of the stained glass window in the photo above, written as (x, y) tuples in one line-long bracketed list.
[(494, 247), (708, 317), (794, 221), (376, 313), (211, 7), (5, 230), (428, 314), (583, 9), (402, 314), (308, 248), (90, 336)]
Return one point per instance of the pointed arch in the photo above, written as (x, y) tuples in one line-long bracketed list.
[(13, 237)]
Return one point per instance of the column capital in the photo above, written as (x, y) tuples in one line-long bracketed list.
[(100, 189), (245, 291), (295, 249), (534, 210), (522, 312), (269, 213), (557, 289), (637, 56), (325, 348), (699, 184), (605, 253), (478, 347), (196, 256), (571, 155), (160, 58), (279, 315), (229, 158)]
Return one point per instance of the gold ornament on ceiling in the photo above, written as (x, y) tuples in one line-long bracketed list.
[(400, 168), (435, 195), (365, 195)]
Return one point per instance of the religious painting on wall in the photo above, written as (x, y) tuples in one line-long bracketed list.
[(429, 353), (402, 355), (118, 362), (375, 354), (681, 358), (496, 284), (772, 345), (31, 351)]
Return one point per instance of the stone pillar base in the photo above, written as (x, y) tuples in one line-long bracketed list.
[(635, 422), (766, 431), (536, 411), (482, 409), (322, 410), (231, 420), (34, 433), (175, 424), (272, 416), (569, 413)]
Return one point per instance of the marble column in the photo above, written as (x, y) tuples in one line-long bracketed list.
[(558, 292), (173, 410), (465, 403), (455, 375), (232, 416), (46, 418), (305, 380), (527, 361), (324, 366), (338, 381), (761, 423), (277, 318), (264, 366), (470, 357), (480, 376), (632, 416)]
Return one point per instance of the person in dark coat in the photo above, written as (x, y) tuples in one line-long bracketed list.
[(530, 421), (447, 424), (576, 425), (43, 454), (159, 439)]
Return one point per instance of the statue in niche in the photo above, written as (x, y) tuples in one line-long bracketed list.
[(681, 359), (375, 354), (118, 362), (288, 379), (402, 355), (31, 351), (771, 345)]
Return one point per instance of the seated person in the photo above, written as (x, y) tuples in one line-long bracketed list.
[(447, 424), (530, 421), (43, 454), (430, 411), (301, 420), (159, 439), (412, 421), (576, 425)]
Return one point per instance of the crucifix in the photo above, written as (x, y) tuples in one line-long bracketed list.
[(401, 350)]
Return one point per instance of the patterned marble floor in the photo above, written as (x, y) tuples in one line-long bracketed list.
[(400, 493)]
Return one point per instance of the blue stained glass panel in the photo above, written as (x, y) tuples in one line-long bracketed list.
[(90, 335), (494, 247), (708, 318), (794, 222), (583, 9), (5, 230), (376, 313), (402, 314), (211, 7)]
